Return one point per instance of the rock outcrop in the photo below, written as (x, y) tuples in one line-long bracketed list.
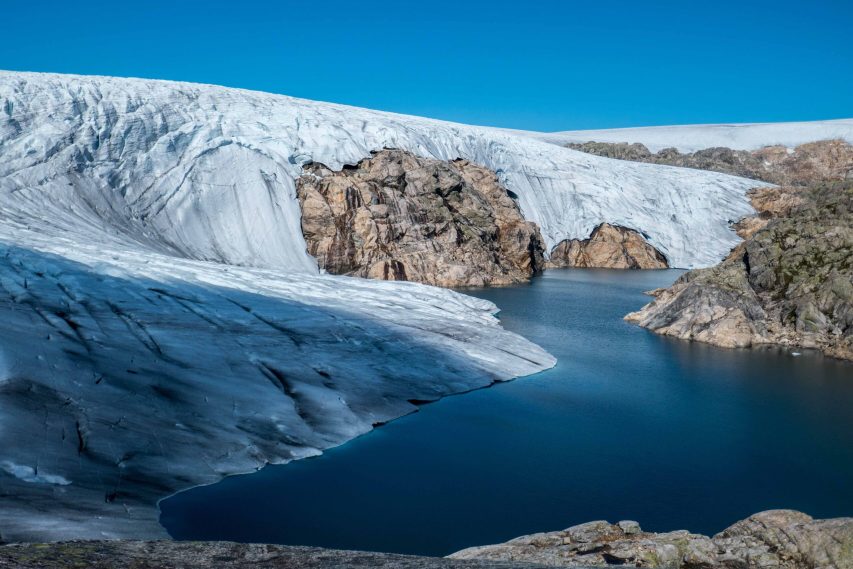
[(806, 164), (769, 203), (789, 283), (395, 216), (779, 539), (216, 555), (608, 246)]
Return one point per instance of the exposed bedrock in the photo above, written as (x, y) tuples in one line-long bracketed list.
[(608, 246), (778, 539), (806, 164), (396, 216), (789, 283), (769, 203), (217, 555)]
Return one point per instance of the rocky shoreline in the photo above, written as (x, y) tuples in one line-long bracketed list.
[(451, 223), (790, 283), (777, 539)]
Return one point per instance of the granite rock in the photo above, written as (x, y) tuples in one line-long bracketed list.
[(609, 247), (777, 539), (789, 283), (215, 555), (396, 216)]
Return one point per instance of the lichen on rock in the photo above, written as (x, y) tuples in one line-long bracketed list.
[(779, 539), (789, 283)]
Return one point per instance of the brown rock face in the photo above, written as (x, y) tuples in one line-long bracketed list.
[(778, 539), (395, 216), (822, 161), (770, 203), (610, 247)]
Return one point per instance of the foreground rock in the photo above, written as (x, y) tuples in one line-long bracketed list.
[(395, 216), (809, 163), (789, 283), (214, 555), (779, 539), (609, 246)]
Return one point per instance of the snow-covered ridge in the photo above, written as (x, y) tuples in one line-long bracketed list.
[(690, 138), (207, 172)]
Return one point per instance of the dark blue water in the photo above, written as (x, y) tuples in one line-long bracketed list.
[(629, 425)]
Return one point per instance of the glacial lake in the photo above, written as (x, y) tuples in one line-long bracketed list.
[(628, 425)]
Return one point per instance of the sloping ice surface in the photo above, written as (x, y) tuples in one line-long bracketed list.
[(125, 378), (208, 173), (162, 326)]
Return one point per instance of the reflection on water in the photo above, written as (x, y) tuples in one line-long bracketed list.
[(629, 425)]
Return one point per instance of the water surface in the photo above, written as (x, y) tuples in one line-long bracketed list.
[(628, 425)]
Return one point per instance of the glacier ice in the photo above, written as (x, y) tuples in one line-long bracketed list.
[(207, 172), (129, 377), (162, 326)]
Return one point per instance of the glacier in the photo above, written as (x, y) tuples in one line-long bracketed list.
[(126, 377), (690, 138), (208, 172), (163, 325)]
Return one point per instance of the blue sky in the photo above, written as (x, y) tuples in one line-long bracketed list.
[(542, 65)]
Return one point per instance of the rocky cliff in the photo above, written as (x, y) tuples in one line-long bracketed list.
[(780, 539), (396, 216), (806, 164), (789, 283), (608, 246)]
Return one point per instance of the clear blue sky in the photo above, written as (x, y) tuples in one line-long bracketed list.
[(543, 65)]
